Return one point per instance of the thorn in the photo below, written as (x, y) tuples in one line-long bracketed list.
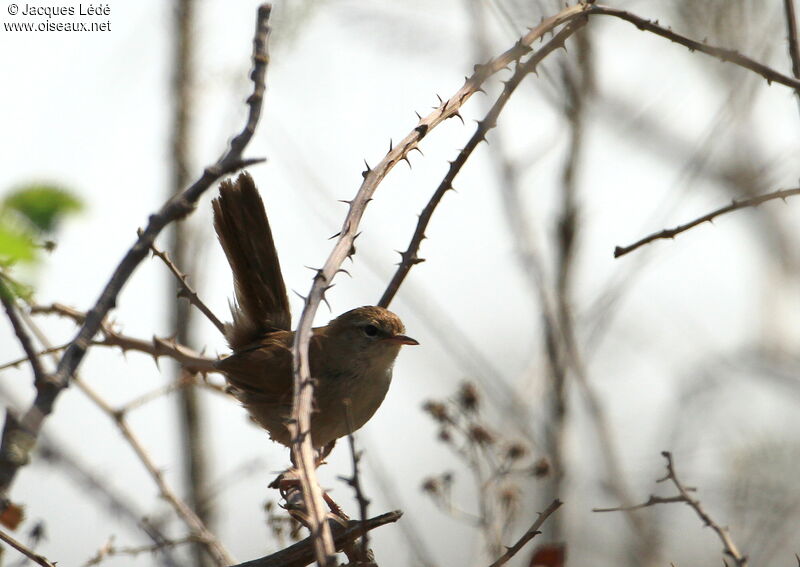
[(457, 114), (391, 145), (345, 201), (416, 148), (298, 294), (368, 167), (441, 102), (338, 234), (405, 159), (342, 270), (418, 116)]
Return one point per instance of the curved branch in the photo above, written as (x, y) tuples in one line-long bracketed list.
[(735, 205), (409, 258), (721, 53), (303, 387), (176, 208)]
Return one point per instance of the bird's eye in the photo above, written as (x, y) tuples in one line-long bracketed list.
[(371, 331)]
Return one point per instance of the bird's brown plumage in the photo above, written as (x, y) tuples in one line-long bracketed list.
[(351, 358)]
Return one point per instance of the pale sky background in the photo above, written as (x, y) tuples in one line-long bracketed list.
[(90, 111)]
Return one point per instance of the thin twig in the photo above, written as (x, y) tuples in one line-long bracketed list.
[(355, 482), (727, 55), (108, 550), (794, 47), (684, 496), (532, 532), (24, 550), (186, 290), (299, 424), (409, 258), (39, 374), (177, 207), (16, 362), (202, 533), (733, 206), (54, 452), (156, 347)]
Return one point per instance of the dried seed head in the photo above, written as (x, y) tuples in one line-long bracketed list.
[(437, 411), (541, 468), (431, 485), (516, 451), (481, 435), (509, 497), (468, 396)]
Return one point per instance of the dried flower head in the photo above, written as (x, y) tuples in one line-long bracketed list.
[(437, 411), (481, 435), (509, 497), (516, 451), (541, 468), (468, 397), (431, 485)]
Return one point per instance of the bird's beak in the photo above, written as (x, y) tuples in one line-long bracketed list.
[(401, 340)]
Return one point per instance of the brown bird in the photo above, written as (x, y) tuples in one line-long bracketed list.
[(351, 358)]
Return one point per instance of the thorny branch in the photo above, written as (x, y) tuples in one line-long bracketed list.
[(186, 290), (303, 386), (733, 206), (683, 496), (20, 435), (201, 533), (721, 53), (156, 347), (409, 258)]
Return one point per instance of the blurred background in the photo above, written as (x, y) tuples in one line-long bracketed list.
[(581, 368)]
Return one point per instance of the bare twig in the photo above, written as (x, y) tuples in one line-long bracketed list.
[(109, 550), (684, 496), (177, 207), (727, 55), (155, 347), (200, 531), (185, 290), (532, 532), (39, 374), (24, 550), (794, 47), (53, 451), (17, 361), (303, 552), (355, 482), (303, 386), (409, 258), (733, 206)]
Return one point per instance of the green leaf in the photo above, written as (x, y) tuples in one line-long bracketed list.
[(43, 205), (15, 247)]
